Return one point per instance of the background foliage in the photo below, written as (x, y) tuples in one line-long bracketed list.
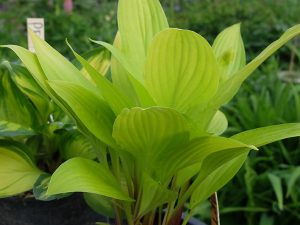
[(264, 191)]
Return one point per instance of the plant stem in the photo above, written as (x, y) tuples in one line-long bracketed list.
[(215, 215), (127, 209), (117, 214)]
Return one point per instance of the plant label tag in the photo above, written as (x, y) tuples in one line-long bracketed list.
[(37, 26)]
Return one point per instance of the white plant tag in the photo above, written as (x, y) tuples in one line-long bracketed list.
[(37, 26)]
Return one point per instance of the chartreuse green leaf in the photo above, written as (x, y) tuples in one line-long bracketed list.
[(217, 179), (218, 124), (84, 175), (229, 51), (90, 109), (110, 93), (266, 135), (137, 91), (139, 21), (181, 70), (120, 76), (10, 129), (232, 85), (17, 172), (194, 153), (154, 195), (145, 133), (56, 66), (277, 187)]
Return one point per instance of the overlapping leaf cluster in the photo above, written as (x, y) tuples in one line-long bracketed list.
[(156, 124)]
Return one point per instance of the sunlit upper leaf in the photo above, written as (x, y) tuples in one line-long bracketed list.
[(229, 51), (139, 21), (181, 70), (232, 85)]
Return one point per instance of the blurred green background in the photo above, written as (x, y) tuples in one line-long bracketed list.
[(266, 190)]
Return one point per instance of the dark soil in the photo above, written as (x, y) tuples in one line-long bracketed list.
[(68, 211)]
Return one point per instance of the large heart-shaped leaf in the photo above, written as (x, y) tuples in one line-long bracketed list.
[(181, 70), (145, 133)]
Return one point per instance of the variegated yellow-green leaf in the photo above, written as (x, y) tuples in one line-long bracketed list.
[(181, 70), (10, 129), (17, 172), (14, 106)]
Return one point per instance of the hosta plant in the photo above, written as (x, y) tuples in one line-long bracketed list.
[(156, 123), (35, 135)]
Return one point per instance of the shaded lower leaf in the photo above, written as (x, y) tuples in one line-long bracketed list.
[(84, 175), (100, 204), (216, 171), (154, 195), (75, 144), (17, 172)]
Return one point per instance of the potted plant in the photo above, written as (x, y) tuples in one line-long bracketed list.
[(156, 124)]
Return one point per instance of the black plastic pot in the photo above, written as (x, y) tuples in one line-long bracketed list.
[(68, 211)]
